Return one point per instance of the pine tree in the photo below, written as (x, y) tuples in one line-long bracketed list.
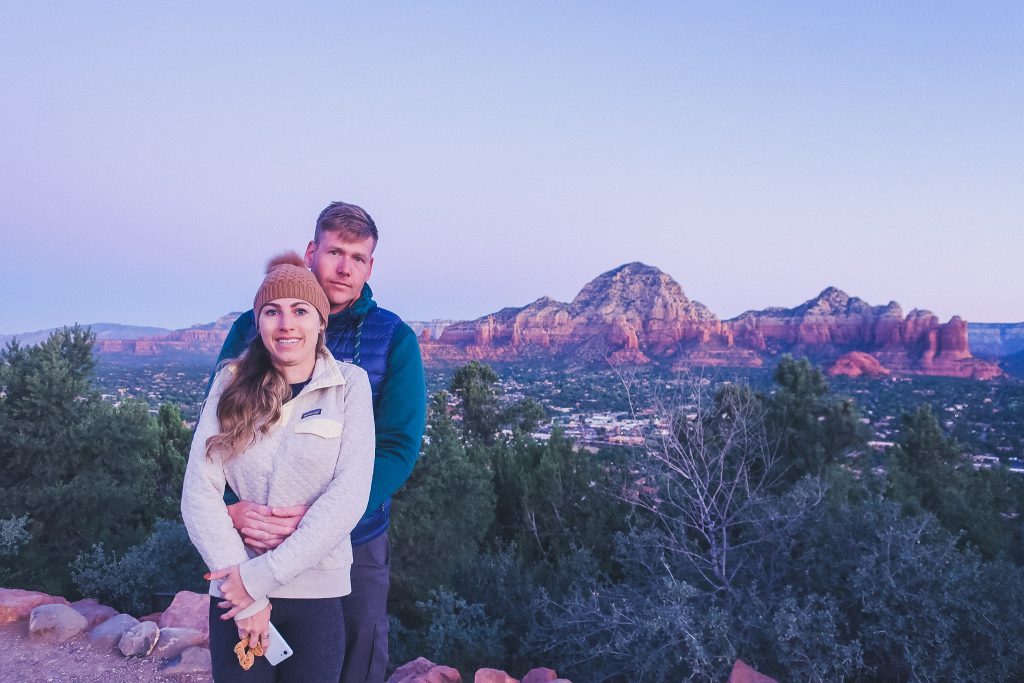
[(83, 470)]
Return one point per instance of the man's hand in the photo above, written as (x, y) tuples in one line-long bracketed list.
[(236, 597), (264, 527)]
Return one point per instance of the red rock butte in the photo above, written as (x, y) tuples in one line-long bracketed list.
[(637, 314)]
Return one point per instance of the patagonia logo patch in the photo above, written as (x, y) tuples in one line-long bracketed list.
[(310, 413)]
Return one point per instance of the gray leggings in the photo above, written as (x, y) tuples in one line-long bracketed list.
[(314, 628)]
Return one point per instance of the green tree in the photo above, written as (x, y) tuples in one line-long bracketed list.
[(814, 428), (473, 384), (930, 473), (175, 441), (483, 416), (84, 470), (442, 514), (552, 498)]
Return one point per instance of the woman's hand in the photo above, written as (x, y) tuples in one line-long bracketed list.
[(232, 590), (256, 628)]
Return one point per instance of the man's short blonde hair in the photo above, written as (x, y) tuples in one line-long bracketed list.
[(350, 220)]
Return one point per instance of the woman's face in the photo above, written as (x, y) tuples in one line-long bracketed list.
[(290, 329)]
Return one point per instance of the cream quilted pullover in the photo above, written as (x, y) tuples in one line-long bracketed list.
[(319, 453)]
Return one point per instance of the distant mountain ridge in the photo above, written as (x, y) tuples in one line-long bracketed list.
[(637, 314), (202, 339), (101, 330), (996, 340)]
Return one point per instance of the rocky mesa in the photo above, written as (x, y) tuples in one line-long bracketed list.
[(205, 339), (638, 314)]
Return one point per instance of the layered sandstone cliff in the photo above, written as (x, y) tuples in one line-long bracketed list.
[(636, 314), (205, 339), (630, 314)]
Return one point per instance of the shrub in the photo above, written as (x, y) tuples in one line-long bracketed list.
[(164, 562), (14, 534)]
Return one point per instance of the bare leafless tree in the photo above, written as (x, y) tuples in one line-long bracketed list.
[(708, 478)]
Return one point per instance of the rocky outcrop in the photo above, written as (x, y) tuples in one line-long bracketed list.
[(996, 340), (628, 315), (188, 610), (176, 648), (93, 611), (205, 339), (174, 640), (858, 364), (832, 319), (422, 670), (540, 675), (493, 676), (636, 314), (192, 660)]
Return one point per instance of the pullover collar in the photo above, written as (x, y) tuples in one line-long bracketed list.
[(359, 308)]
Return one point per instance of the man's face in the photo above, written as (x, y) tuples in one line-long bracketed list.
[(341, 266)]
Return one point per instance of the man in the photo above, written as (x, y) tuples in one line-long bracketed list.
[(358, 331)]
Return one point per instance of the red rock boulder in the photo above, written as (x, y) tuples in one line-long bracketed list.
[(188, 610), (742, 673), (17, 604)]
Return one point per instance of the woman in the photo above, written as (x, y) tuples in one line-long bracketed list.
[(284, 425)]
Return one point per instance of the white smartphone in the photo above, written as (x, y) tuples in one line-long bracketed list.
[(279, 650)]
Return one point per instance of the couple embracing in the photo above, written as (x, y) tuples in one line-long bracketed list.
[(313, 420)]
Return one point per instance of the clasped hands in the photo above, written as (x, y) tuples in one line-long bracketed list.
[(255, 627), (264, 528)]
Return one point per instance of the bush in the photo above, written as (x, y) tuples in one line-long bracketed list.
[(164, 562), (458, 634), (14, 534)]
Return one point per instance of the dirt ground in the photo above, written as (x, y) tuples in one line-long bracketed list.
[(32, 660)]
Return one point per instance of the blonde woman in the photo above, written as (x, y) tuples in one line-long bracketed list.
[(284, 425)]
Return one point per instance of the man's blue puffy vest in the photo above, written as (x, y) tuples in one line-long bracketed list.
[(363, 340), (361, 335)]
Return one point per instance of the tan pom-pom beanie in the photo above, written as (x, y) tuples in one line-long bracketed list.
[(288, 278)]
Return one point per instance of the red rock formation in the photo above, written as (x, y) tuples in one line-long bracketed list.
[(201, 339), (858, 364), (635, 314), (627, 315), (832, 319)]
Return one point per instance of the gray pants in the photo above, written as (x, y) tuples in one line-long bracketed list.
[(366, 613)]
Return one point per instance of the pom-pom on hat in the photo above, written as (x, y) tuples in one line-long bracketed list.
[(288, 278)]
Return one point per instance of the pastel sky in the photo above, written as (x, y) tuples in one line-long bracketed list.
[(154, 155)]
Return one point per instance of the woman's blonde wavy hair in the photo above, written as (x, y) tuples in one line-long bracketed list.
[(251, 403)]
